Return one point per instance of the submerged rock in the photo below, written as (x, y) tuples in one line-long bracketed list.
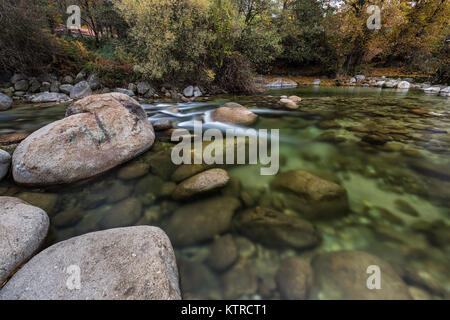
[(294, 278), (23, 229), (201, 220), (343, 275), (276, 229), (99, 133), (5, 161), (311, 196), (201, 183), (234, 113), (185, 171), (122, 214), (196, 279), (118, 264), (133, 170), (45, 201), (240, 280), (223, 254)]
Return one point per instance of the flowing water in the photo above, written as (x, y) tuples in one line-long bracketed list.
[(389, 149)]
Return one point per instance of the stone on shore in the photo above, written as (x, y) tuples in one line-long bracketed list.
[(98, 133), (5, 102), (80, 90), (128, 92), (23, 229), (49, 97), (134, 263)]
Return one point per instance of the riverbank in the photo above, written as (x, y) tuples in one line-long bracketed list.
[(50, 88)]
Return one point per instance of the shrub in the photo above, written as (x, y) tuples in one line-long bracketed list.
[(236, 74), (24, 45), (168, 38)]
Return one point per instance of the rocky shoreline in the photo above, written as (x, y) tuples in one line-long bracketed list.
[(50, 88)]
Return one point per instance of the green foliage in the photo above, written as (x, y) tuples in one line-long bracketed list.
[(168, 37), (220, 43), (303, 33)]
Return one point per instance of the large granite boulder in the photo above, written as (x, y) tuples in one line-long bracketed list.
[(23, 228), (117, 264), (98, 133)]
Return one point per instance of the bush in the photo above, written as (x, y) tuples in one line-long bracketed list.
[(24, 45), (236, 74), (168, 38)]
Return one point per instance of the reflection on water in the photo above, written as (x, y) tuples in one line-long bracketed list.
[(388, 149)]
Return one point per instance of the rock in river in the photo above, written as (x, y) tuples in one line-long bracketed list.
[(202, 182), (276, 229), (201, 220), (311, 196), (295, 278), (5, 102), (118, 264), (234, 113), (23, 228), (342, 275), (239, 280), (224, 253), (124, 213), (5, 160), (98, 133)]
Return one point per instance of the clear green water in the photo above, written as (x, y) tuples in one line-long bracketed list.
[(399, 192)]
